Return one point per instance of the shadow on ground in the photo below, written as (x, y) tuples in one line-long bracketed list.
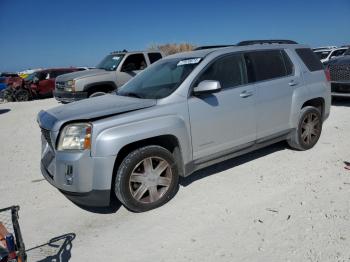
[(228, 164), (113, 208), (341, 101), (3, 111), (57, 249)]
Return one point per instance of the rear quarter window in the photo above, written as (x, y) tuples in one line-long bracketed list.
[(310, 59), (153, 57)]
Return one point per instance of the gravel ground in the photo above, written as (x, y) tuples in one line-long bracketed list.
[(275, 204)]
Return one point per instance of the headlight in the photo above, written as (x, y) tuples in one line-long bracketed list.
[(75, 137), (70, 86)]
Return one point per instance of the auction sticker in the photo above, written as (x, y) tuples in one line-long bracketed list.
[(190, 61)]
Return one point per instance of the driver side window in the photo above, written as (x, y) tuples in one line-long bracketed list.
[(229, 70), (134, 62)]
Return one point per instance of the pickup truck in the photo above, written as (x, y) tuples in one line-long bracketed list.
[(111, 73)]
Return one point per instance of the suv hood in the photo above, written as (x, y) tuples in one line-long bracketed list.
[(89, 109), (82, 74), (342, 60)]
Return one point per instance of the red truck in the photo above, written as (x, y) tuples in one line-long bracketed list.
[(37, 85)]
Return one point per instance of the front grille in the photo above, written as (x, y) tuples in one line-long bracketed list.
[(340, 88), (47, 136), (340, 72), (60, 85)]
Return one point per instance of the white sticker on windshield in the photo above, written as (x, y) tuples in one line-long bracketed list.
[(189, 61), (116, 57)]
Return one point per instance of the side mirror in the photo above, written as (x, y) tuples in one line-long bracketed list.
[(207, 86), (35, 80)]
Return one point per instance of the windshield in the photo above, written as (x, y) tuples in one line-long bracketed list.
[(29, 77), (161, 79), (110, 62), (322, 54), (347, 52)]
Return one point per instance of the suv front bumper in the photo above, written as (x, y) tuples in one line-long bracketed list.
[(341, 89), (84, 179), (68, 97)]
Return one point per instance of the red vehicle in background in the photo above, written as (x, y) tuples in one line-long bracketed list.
[(40, 84)]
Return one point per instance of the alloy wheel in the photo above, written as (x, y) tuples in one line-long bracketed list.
[(310, 128), (150, 179)]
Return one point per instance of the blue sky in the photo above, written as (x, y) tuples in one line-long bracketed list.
[(41, 33)]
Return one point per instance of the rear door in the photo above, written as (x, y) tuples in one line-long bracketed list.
[(275, 80), (223, 121)]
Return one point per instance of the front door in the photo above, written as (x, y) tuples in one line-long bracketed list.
[(132, 65), (223, 121)]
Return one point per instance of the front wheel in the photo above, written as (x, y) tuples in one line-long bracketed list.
[(97, 94), (146, 179), (309, 129)]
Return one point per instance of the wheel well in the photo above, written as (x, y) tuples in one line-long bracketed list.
[(169, 142), (100, 88), (317, 103)]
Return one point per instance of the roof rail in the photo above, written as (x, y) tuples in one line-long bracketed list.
[(210, 46), (261, 42)]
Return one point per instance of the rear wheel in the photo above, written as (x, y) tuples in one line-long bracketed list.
[(309, 129), (146, 179)]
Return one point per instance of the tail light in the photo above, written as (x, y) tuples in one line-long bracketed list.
[(328, 74)]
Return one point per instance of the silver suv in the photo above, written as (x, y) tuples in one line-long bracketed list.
[(183, 113), (111, 73)]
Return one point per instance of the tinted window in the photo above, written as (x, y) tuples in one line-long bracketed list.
[(266, 65), (153, 57), (310, 59), (230, 71), (134, 62)]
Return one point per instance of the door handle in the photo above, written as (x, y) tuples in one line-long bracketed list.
[(292, 83), (246, 94)]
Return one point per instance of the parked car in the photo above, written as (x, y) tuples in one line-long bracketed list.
[(327, 54), (39, 84), (111, 73), (324, 47), (183, 113), (3, 83), (339, 69)]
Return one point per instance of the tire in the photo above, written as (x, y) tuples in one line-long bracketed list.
[(138, 185), (308, 131), (22, 95), (8, 95), (97, 94)]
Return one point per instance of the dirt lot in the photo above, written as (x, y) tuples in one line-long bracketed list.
[(271, 205)]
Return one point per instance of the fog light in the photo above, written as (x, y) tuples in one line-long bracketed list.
[(69, 174)]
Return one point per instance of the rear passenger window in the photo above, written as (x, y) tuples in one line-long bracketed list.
[(267, 65), (153, 57), (230, 71), (310, 59)]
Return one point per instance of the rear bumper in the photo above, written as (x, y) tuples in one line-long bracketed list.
[(67, 97), (341, 89)]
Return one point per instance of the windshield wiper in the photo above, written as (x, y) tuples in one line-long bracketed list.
[(131, 94)]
